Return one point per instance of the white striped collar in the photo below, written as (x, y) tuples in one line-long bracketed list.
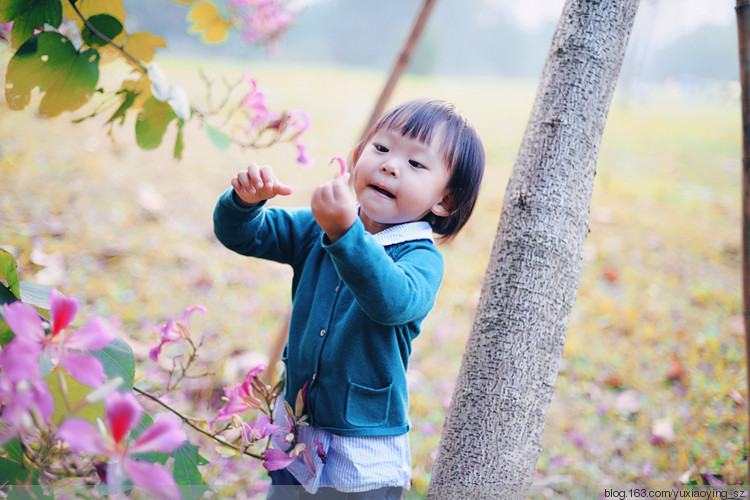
[(409, 231)]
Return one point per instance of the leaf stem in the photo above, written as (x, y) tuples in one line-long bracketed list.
[(98, 33), (188, 421)]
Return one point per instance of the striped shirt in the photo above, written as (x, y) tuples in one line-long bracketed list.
[(360, 463), (354, 464)]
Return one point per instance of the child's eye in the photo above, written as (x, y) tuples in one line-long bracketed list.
[(380, 147), (416, 164)]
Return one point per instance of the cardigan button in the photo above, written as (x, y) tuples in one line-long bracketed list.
[(314, 375), (322, 332)]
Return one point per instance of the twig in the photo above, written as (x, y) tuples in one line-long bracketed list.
[(187, 421), (105, 38)]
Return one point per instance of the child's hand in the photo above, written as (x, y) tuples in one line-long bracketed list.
[(334, 207), (258, 183)]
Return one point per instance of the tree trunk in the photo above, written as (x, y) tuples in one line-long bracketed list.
[(402, 62), (493, 431), (743, 32)]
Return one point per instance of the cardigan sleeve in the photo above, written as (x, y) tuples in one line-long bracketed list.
[(391, 290), (268, 233)]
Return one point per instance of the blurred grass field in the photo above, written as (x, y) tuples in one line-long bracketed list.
[(651, 390)]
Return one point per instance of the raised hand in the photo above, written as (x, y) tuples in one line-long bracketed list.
[(258, 183), (334, 207)]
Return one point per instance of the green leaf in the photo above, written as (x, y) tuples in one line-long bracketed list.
[(219, 139), (35, 13), (35, 294), (6, 296), (14, 450), (20, 32), (105, 24), (179, 144), (9, 271), (127, 102), (118, 361), (152, 123), (49, 61), (5, 334), (76, 396), (186, 473), (187, 459), (15, 473)]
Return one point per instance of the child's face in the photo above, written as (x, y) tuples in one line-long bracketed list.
[(398, 179)]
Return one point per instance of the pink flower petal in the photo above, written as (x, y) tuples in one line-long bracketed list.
[(341, 163), (298, 120), (163, 436), (170, 331), (85, 368), (123, 412), (190, 310), (302, 157), (20, 360), (24, 321), (21, 399), (153, 478), (62, 309), (154, 352), (42, 399), (254, 371), (81, 436), (321, 451), (260, 429), (276, 459), (235, 404), (96, 334)]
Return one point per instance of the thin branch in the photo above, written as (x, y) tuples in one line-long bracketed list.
[(188, 421), (105, 38)]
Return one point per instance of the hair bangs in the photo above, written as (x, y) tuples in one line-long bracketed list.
[(421, 119)]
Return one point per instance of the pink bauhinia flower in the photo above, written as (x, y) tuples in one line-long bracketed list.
[(341, 162), (23, 393), (240, 397), (302, 157), (262, 428), (275, 459), (62, 344), (297, 121), (174, 330), (266, 21), (122, 414)]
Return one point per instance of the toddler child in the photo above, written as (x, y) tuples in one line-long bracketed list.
[(366, 273)]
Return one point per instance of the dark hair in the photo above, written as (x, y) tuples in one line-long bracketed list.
[(461, 149)]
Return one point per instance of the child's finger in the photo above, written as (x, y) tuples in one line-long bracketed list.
[(244, 182), (282, 189), (267, 177)]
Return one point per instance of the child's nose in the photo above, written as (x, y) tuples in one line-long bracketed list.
[(389, 169)]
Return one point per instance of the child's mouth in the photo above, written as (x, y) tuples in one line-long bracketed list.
[(382, 191)]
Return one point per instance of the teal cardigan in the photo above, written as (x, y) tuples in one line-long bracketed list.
[(357, 306)]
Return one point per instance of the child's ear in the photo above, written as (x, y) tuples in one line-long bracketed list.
[(442, 208)]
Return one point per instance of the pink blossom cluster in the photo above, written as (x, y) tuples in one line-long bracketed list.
[(289, 124), (24, 394), (251, 395), (123, 413), (263, 20), (27, 404)]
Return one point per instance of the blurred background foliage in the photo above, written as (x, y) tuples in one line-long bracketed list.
[(651, 390)]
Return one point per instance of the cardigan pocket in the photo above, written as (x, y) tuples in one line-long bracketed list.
[(367, 407)]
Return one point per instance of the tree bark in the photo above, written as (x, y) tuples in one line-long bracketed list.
[(743, 32), (493, 432)]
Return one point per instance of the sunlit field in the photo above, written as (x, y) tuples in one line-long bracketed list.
[(651, 390)]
